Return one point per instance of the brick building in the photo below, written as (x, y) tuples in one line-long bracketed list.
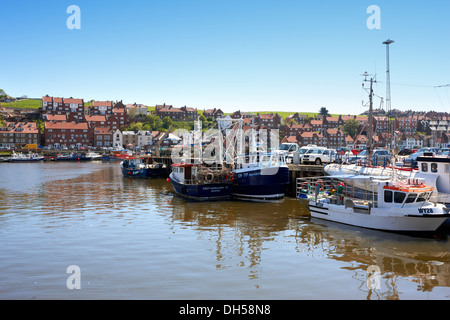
[(69, 134), (18, 134)]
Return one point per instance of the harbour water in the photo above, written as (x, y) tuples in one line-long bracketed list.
[(133, 239)]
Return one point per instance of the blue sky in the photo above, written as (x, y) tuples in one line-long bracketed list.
[(251, 55)]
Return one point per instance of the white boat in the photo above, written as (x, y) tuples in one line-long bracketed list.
[(94, 156), (434, 169), (389, 206), (29, 157)]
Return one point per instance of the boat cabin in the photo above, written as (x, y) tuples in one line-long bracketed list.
[(184, 172), (132, 162), (399, 195), (436, 172), (260, 160)]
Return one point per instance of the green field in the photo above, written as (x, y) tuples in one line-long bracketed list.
[(25, 103)]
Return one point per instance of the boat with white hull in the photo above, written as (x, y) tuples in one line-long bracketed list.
[(434, 170), (391, 206), (30, 157)]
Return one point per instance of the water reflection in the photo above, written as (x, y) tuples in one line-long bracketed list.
[(280, 250), (425, 262)]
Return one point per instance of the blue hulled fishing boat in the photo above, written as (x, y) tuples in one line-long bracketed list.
[(138, 167), (200, 183), (261, 177)]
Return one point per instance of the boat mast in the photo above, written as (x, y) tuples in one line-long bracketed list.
[(370, 135)]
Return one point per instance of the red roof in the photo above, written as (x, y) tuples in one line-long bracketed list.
[(56, 117), (66, 125), (73, 101), (102, 130), (95, 118), (102, 103), (22, 127)]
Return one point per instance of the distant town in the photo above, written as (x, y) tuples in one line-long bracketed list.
[(59, 122)]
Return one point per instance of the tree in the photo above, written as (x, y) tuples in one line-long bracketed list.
[(351, 127), (3, 94), (323, 111), (135, 126), (157, 123), (167, 122)]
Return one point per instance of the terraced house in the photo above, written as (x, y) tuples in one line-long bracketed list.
[(18, 134), (176, 114), (69, 134), (62, 106)]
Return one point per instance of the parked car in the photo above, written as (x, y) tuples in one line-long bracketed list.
[(298, 155), (427, 149), (411, 161), (319, 155), (405, 152), (288, 149), (379, 157)]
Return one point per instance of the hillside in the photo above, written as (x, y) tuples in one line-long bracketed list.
[(24, 103)]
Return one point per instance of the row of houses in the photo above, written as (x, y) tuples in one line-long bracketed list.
[(19, 133), (74, 110)]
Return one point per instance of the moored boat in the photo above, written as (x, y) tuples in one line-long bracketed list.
[(141, 168), (29, 157), (434, 169), (94, 156), (120, 155), (260, 177), (200, 183), (71, 157), (390, 205)]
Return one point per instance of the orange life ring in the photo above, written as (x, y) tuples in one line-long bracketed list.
[(230, 177)]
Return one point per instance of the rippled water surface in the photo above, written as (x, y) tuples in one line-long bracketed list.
[(132, 239)]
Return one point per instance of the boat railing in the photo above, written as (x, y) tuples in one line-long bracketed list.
[(334, 189), (259, 160)]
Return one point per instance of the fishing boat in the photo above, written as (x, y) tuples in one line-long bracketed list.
[(200, 183), (258, 173), (119, 155), (260, 177), (138, 167), (29, 157), (389, 205), (94, 156), (71, 157), (434, 169)]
